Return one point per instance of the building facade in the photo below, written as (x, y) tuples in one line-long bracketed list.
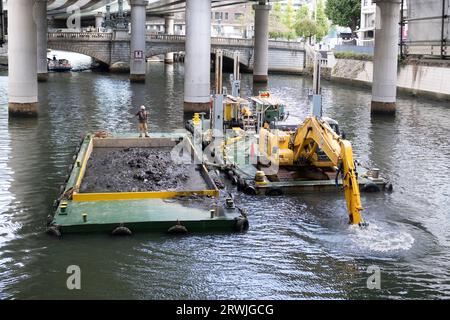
[(367, 27)]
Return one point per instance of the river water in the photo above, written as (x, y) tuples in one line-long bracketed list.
[(297, 246)]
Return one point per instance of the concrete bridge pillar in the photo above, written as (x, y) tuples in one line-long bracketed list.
[(99, 18), (198, 56), (40, 13), (384, 85), (169, 29), (22, 59), (261, 42), (138, 64)]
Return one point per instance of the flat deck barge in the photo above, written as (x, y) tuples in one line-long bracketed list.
[(157, 202), (240, 158)]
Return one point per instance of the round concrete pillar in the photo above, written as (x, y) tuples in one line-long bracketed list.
[(261, 43), (384, 85), (22, 59), (198, 56), (138, 64), (40, 13), (99, 20), (169, 29)]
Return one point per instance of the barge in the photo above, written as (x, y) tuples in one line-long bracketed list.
[(97, 199), (241, 159)]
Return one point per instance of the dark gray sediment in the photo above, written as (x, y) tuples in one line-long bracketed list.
[(138, 170)]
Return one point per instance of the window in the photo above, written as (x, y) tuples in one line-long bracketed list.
[(226, 15), (238, 15), (217, 15)]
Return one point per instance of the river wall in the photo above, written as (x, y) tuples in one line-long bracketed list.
[(421, 78)]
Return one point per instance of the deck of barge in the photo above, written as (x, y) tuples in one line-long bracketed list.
[(196, 206), (241, 153)]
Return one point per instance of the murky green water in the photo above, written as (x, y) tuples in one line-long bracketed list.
[(297, 247)]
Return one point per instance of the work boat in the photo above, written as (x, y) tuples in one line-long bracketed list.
[(271, 157), (59, 65)]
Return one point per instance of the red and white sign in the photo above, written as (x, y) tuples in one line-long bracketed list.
[(138, 55)]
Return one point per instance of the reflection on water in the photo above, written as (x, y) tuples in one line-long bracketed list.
[(297, 246)]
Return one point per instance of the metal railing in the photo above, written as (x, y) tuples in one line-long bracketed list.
[(107, 36)]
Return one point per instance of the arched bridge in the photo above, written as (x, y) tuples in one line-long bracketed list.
[(110, 47)]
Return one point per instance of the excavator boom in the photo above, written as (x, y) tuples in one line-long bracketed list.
[(315, 133)]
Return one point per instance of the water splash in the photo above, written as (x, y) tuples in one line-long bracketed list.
[(382, 238)]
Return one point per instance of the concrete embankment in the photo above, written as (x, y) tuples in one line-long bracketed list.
[(3, 63), (421, 78)]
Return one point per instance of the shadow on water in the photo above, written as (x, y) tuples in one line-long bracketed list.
[(297, 246)]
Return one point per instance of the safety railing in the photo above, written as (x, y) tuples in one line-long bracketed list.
[(107, 36)]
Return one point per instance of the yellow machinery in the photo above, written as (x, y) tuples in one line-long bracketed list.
[(300, 148)]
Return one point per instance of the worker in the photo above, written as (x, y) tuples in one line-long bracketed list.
[(142, 117)]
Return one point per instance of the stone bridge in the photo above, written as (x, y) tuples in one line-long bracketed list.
[(110, 47)]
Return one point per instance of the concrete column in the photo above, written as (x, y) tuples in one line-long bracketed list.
[(169, 29), (40, 13), (384, 86), (261, 42), (198, 56), (22, 59), (99, 20), (138, 64)]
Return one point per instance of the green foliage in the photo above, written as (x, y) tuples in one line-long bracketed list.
[(291, 23), (289, 15), (345, 13), (353, 56), (323, 25)]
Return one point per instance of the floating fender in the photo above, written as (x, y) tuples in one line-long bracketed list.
[(241, 224), (371, 187), (389, 187), (240, 184), (234, 180), (121, 231), (177, 229), (49, 220), (55, 204), (250, 190), (274, 192), (54, 231)]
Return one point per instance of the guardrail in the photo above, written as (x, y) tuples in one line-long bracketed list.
[(108, 36)]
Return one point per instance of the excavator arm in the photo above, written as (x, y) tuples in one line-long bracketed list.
[(315, 133)]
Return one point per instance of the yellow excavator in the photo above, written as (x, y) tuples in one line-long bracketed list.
[(303, 148), (314, 143)]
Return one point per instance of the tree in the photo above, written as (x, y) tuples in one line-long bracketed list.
[(345, 13), (277, 24), (305, 26), (323, 25), (288, 15)]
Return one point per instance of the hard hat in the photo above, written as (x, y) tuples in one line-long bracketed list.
[(142, 107)]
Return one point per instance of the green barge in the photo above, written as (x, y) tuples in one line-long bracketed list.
[(195, 205)]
